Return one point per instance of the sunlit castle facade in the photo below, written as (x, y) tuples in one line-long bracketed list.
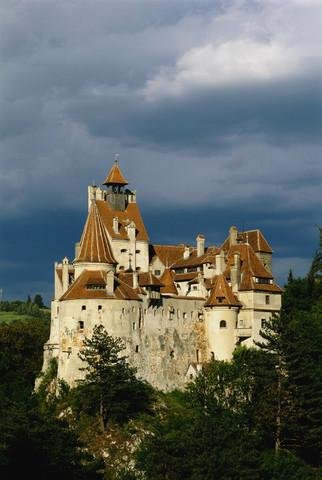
[(174, 306)]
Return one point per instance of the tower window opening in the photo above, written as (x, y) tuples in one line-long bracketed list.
[(99, 308), (83, 307), (136, 348), (223, 324), (197, 356), (172, 354), (263, 322), (212, 356), (80, 325), (267, 299)]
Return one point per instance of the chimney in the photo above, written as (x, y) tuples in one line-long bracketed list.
[(220, 262), (135, 280), (233, 231), (186, 253), (131, 230), (110, 282), (65, 274), (200, 245), (77, 247), (235, 273), (116, 224)]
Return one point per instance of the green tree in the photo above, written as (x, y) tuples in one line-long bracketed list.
[(38, 301), (110, 387)]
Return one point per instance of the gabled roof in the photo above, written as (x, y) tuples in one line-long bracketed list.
[(185, 277), (254, 238), (168, 254), (221, 294), (168, 281), (249, 261), (130, 214), (248, 283), (94, 244), (193, 260), (81, 288), (115, 176), (147, 279)]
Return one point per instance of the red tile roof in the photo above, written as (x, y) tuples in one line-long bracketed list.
[(255, 238), (193, 260), (130, 214), (168, 281), (168, 254), (81, 288), (185, 277), (115, 176), (94, 244), (249, 261), (221, 294), (147, 279)]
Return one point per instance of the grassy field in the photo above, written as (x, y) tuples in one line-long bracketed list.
[(7, 317)]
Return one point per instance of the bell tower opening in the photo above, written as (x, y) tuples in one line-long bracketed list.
[(116, 195)]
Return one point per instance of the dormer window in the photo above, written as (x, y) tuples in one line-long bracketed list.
[(123, 250), (95, 286)]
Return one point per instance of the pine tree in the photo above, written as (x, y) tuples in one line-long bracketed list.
[(110, 384)]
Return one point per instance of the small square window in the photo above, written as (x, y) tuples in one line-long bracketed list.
[(83, 307)]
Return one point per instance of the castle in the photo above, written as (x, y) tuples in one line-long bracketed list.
[(174, 306)]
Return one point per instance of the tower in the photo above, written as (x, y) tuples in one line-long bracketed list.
[(115, 181)]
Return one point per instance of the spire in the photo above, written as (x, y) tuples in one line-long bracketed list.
[(169, 285), (221, 294), (94, 244), (115, 176)]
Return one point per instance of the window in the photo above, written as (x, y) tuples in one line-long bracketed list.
[(267, 299), (241, 323), (184, 314), (99, 308), (81, 325), (136, 349), (134, 326), (172, 354), (212, 356), (194, 287), (223, 324), (123, 250), (137, 251), (57, 310), (138, 269), (121, 267), (220, 299), (95, 286), (123, 311), (263, 322), (157, 272), (83, 307), (197, 356)]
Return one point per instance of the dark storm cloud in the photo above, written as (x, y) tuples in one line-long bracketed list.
[(215, 108)]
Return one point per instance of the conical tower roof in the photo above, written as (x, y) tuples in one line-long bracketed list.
[(221, 294), (169, 285), (115, 176), (94, 244)]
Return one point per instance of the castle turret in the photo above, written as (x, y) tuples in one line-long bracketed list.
[(115, 181), (221, 311)]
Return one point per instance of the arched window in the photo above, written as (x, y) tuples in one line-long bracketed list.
[(223, 324)]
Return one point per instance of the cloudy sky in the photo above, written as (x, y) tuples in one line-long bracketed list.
[(215, 108)]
